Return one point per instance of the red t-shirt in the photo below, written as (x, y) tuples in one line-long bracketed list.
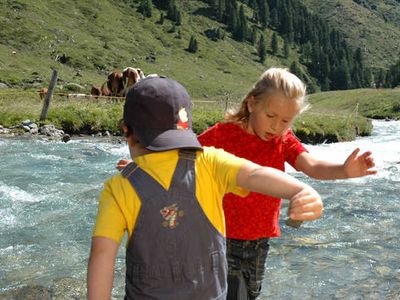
[(255, 216)]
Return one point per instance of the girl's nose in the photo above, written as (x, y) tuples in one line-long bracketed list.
[(273, 125)]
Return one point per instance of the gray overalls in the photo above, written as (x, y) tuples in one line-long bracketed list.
[(174, 253)]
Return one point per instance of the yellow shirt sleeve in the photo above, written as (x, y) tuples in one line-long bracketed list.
[(118, 208), (216, 172)]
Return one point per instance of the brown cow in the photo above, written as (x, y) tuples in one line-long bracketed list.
[(130, 77), (105, 91), (42, 93), (141, 74), (115, 84), (95, 91)]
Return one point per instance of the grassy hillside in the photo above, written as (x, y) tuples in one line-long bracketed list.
[(87, 39), (96, 37), (373, 26)]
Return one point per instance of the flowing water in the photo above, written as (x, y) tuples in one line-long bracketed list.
[(48, 202)]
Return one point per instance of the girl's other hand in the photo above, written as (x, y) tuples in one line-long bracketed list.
[(359, 165), (122, 164)]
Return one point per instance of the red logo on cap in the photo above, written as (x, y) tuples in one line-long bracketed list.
[(183, 120)]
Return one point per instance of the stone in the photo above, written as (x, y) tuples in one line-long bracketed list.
[(66, 138), (26, 122)]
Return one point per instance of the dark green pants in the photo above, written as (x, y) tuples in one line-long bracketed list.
[(246, 265)]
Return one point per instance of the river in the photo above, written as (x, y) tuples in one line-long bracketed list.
[(48, 202)]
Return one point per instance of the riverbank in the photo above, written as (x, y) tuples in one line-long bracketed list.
[(307, 131), (334, 116), (60, 136)]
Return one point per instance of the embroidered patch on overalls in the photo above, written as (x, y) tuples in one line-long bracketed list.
[(170, 215)]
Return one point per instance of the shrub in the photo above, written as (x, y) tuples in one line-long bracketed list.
[(204, 119)]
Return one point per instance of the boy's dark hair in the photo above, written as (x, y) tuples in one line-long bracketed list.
[(157, 111)]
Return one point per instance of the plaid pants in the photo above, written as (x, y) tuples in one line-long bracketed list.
[(246, 265)]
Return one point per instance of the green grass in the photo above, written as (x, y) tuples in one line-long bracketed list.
[(371, 103)]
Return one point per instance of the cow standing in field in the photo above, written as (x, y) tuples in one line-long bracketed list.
[(42, 93), (115, 84), (129, 77), (95, 91), (105, 91), (141, 74)]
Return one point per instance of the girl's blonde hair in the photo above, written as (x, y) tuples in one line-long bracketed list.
[(272, 81)]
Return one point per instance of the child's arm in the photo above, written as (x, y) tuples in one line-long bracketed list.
[(122, 163), (305, 202), (101, 268), (354, 166)]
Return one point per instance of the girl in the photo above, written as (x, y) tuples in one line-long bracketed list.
[(260, 131)]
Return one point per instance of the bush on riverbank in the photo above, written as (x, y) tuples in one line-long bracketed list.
[(316, 129)]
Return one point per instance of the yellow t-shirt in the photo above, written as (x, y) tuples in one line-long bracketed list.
[(216, 172)]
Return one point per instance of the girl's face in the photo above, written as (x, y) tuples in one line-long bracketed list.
[(272, 117)]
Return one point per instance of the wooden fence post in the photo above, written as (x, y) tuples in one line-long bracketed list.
[(49, 94)]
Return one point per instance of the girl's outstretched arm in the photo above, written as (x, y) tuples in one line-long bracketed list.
[(305, 202), (354, 166)]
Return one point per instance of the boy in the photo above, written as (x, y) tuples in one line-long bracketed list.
[(169, 200)]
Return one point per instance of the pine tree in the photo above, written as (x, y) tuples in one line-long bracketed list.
[(241, 27), (324, 69), (325, 86), (178, 20), (161, 21), (231, 15), (162, 4), (286, 48), (274, 18), (193, 46), (295, 69), (286, 23), (263, 13), (369, 78), (340, 76), (255, 17), (393, 75), (262, 49), (146, 8), (274, 44), (253, 35), (173, 12), (221, 10), (381, 79)]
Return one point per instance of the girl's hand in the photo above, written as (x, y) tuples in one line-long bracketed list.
[(359, 165), (122, 164)]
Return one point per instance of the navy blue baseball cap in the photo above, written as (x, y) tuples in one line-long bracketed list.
[(158, 111)]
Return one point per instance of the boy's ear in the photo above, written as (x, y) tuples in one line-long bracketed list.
[(125, 130)]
